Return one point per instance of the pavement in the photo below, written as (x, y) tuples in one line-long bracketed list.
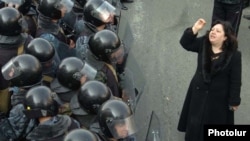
[(157, 26)]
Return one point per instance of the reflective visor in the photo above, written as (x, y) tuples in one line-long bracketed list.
[(68, 4), (10, 71), (118, 55), (87, 71), (104, 12), (18, 2), (23, 23), (122, 128)]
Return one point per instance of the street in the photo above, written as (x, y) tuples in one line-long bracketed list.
[(157, 26)]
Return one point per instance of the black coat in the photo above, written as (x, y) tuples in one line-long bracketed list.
[(209, 94)]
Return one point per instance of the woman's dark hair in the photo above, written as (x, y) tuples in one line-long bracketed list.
[(231, 43)]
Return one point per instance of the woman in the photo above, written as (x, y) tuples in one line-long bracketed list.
[(214, 92)]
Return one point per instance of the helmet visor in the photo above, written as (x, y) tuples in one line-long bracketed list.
[(122, 128), (10, 71), (118, 55), (14, 2), (88, 71), (67, 5), (23, 23), (104, 12)]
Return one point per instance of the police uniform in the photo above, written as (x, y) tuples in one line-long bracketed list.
[(29, 74), (9, 47), (93, 21), (50, 14), (108, 70), (41, 104), (54, 34), (54, 129), (17, 125), (83, 31)]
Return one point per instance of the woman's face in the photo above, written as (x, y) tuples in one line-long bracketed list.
[(217, 35)]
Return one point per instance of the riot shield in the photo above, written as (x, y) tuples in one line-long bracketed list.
[(153, 133), (128, 88), (139, 80), (125, 32), (132, 82)]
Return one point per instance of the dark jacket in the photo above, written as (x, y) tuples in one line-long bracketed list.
[(210, 93), (53, 33), (11, 46), (54, 129), (110, 77), (17, 125)]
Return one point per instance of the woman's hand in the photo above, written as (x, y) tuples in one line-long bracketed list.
[(198, 25), (233, 108)]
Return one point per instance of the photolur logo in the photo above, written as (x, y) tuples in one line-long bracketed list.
[(235, 132)]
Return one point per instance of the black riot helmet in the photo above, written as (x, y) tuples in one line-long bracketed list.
[(53, 8), (98, 12), (22, 5), (104, 43), (80, 135), (71, 70), (92, 95), (41, 49), (39, 102), (10, 21), (24, 70), (116, 119)]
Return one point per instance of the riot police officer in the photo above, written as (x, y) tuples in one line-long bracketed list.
[(98, 15), (24, 72), (116, 120), (28, 10), (105, 51), (40, 104), (81, 134), (50, 12), (69, 20), (85, 104), (45, 53), (73, 72), (12, 42)]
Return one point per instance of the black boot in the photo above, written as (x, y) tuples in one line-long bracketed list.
[(123, 7)]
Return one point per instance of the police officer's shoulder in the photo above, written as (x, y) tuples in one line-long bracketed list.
[(80, 27), (48, 36)]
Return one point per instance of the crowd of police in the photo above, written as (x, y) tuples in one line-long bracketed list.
[(63, 71)]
